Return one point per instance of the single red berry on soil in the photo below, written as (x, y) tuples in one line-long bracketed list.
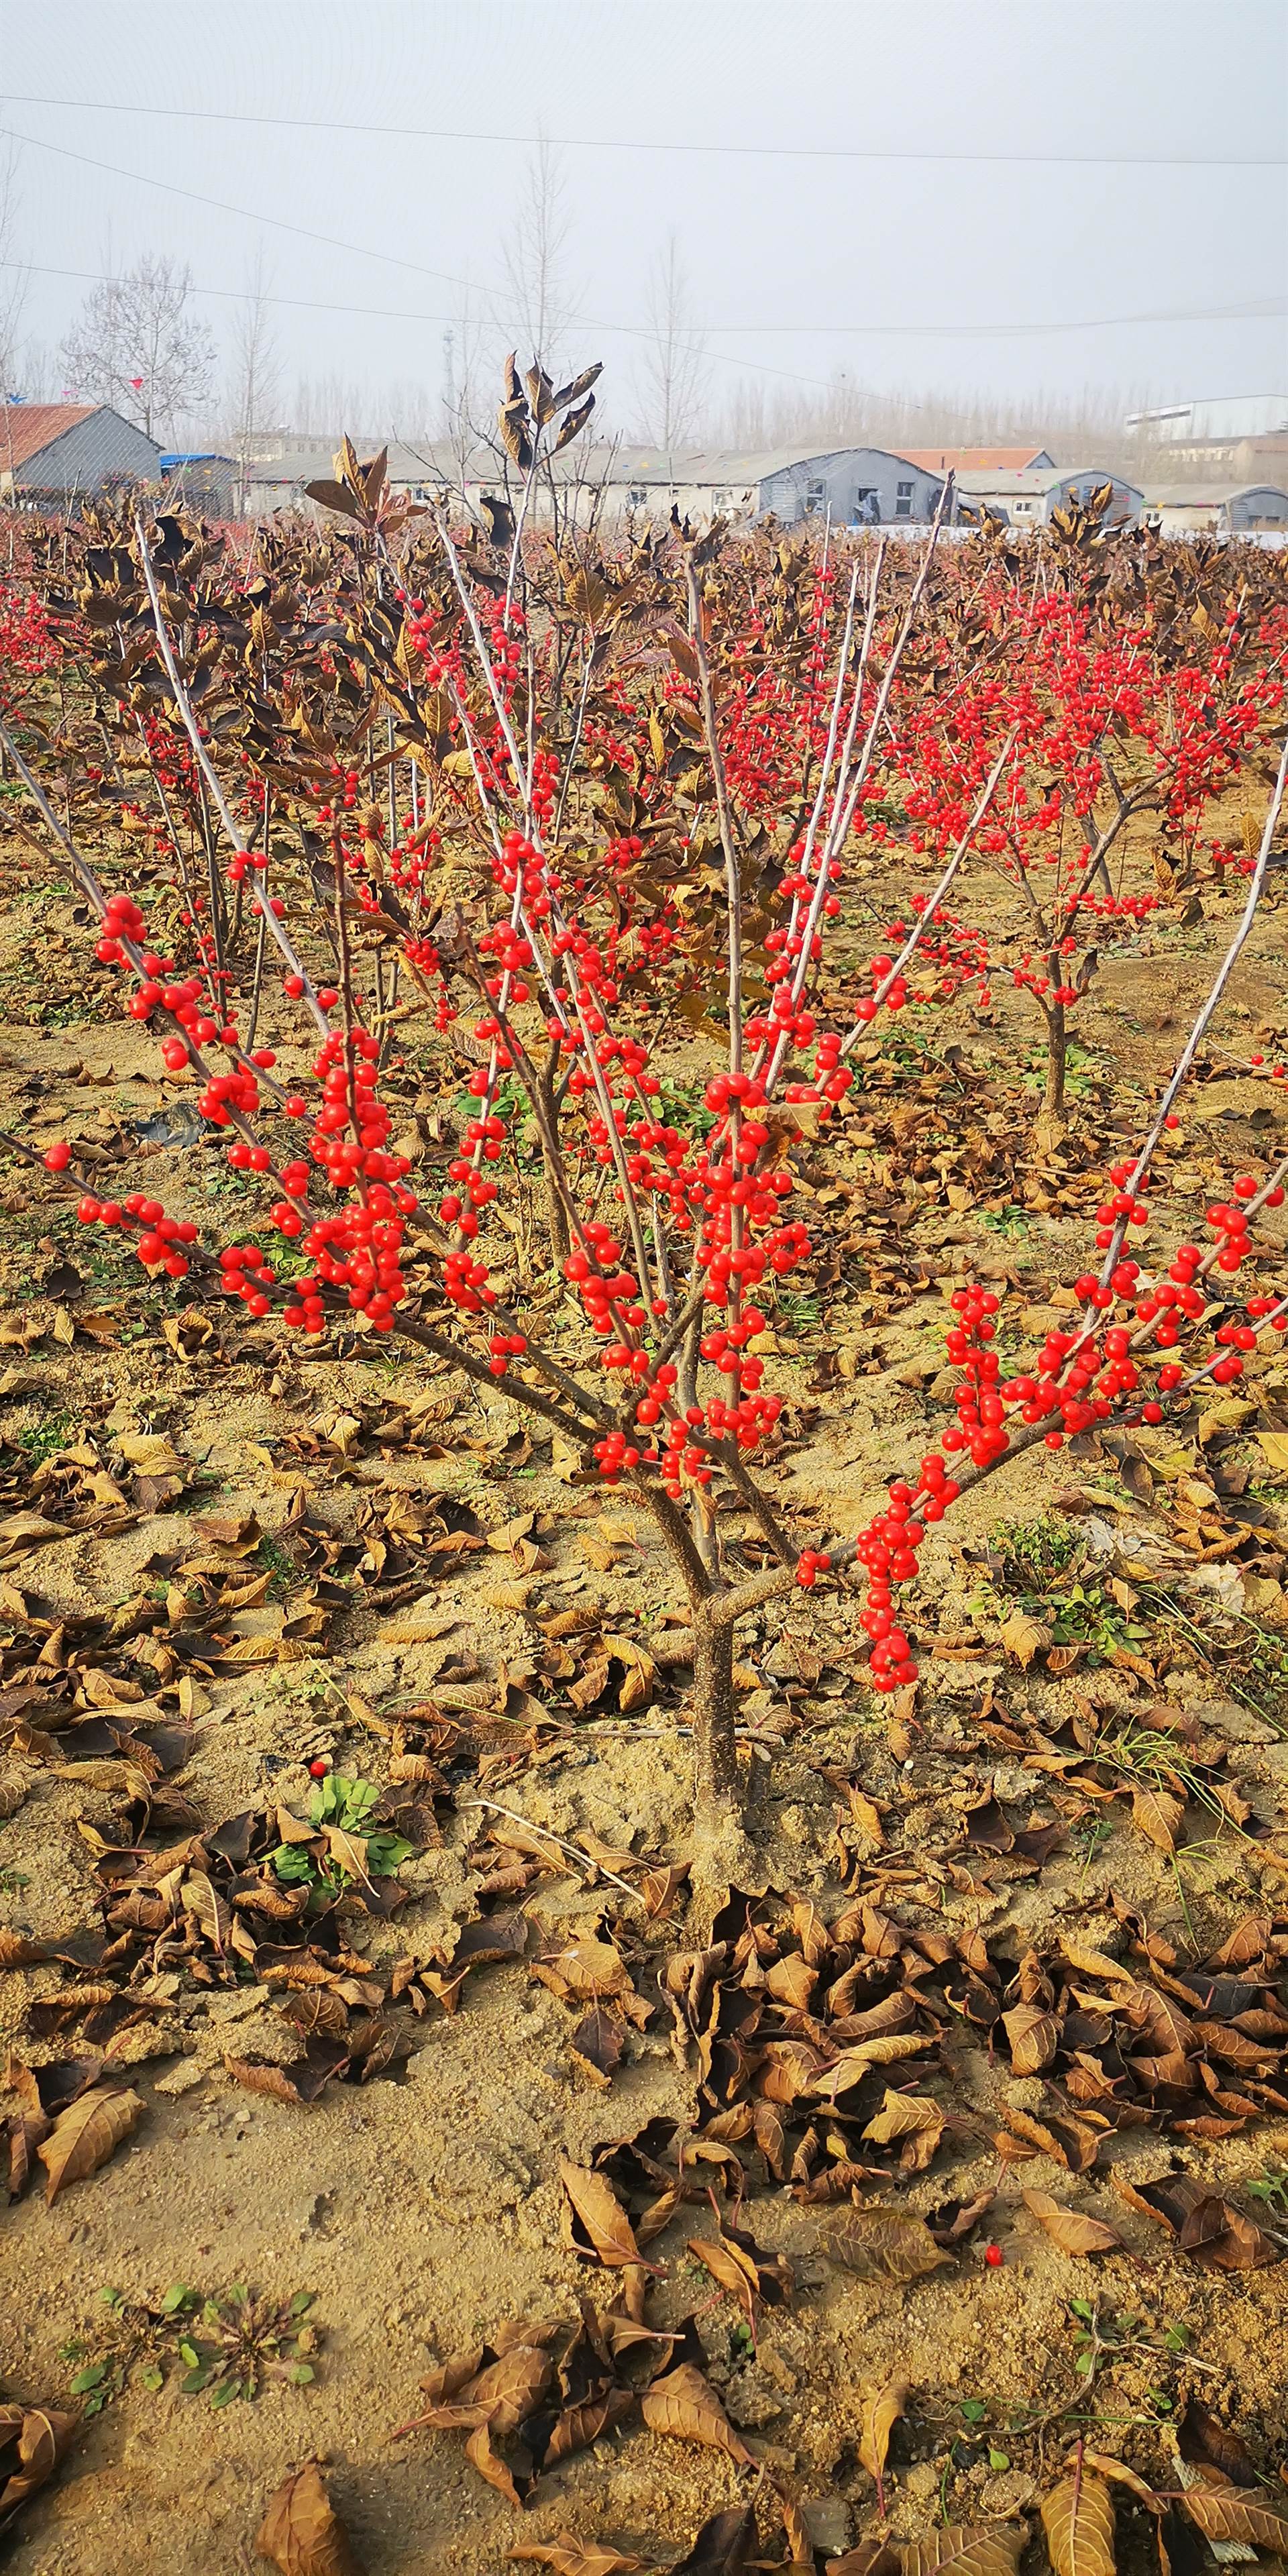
[(993, 2255), (319, 1769)]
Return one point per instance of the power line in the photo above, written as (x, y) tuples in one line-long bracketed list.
[(389, 313), (623, 143), (1267, 308), (221, 205)]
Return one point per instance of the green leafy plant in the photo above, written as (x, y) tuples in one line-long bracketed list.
[(1271, 2187), (1040, 1565), (279, 1564), (1104, 2338), (1082, 1070), (1251, 1659), (341, 1805), (42, 1440), (230, 2344), (1024, 1556), (239, 2342)]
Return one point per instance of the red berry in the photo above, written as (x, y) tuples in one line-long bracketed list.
[(993, 2256), (319, 1769)]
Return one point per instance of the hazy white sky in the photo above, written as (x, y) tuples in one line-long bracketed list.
[(907, 272)]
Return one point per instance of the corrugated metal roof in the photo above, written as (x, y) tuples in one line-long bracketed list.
[(1039, 479), (972, 460), (614, 463), (25, 428), (1206, 496)]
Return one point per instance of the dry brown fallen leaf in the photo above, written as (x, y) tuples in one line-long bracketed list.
[(1238, 2513), (1033, 2036), (601, 2214), (1118, 2471), (1209, 2445), (796, 2533), (1024, 1637), (1211, 2229), (910, 2121), (734, 2270), (881, 2244), (569, 2556), (968, 2549), (724, 2544), (1078, 2519), (882, 2408), (1071, 2229), (85, 2136), (1225, 2239), (302, 2533), (492, 2465), (33, 2440), (683, 2403), (1158, 1815)]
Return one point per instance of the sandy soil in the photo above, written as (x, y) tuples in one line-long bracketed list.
[(424, 2209)]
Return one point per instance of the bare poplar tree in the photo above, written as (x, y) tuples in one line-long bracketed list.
[(466, 425), (537, 308), (255, 384), (674, 370), (13, 278), (137, 346), (326, 406), (13, 292)]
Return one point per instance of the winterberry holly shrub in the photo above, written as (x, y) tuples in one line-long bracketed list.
[(535, 797)]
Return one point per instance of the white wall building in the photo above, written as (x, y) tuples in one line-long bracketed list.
[(1223, 421), (1220, 509), (853, 486), (1029, 499)]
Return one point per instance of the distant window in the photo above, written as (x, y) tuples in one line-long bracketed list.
[(724, 500), (815, 500), (903, 500), (637, 497)]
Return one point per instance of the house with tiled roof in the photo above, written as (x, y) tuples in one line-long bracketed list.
[(979, 460), (53, 455)]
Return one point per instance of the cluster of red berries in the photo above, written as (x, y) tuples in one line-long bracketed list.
[(358, 1252), (163, 1241)]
